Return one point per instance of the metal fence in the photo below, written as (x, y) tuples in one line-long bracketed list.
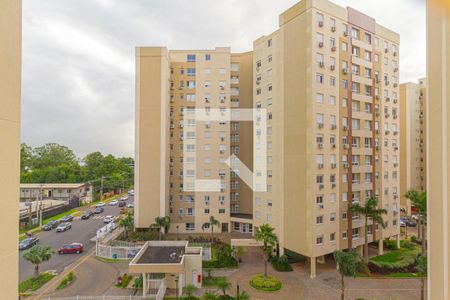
[(113, 252), (156, 288)]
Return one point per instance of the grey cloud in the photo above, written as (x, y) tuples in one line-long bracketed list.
[(78, 56)]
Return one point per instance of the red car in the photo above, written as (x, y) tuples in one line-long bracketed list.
[(72, 248)]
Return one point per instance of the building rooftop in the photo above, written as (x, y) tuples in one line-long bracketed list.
[(162, 255), (51, 185)]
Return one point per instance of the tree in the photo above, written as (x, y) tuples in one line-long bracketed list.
[(349, 263), (243, 296), (419, 200), (210, 295), (163, 224), (239, 253), (127, 223), (26, 158), (212, 222), (369, 210), (37, 255), (223, 285), (53, 155), (422, 267), (269, 239), (189, 290)]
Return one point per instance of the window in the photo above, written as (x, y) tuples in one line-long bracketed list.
[(332, 217), (189, 212), (191, 57), (355, 33), (269, 58), (190, 97), (332, 237), (332, 81), (344, 46), (207, 57), (368, 38), (221, 210), (319, 98), (332, 100), (269, 43), (319, 78), (319, 240), (344, 235), (190, 226), (319, 17), (319, 220)]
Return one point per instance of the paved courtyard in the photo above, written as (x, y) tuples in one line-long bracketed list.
[(298, 285)]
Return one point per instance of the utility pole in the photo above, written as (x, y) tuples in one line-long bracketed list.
[(40, 208), (123, 185), (101, 189)]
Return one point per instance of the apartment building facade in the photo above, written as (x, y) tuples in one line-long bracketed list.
[(438, 137), (193, 179), (327, 81), (10, 83), (412, 139)]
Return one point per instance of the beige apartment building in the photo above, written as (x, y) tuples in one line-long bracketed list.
[(173, 149), (438, 138), (412, 139), (327, 80), (10, 64)]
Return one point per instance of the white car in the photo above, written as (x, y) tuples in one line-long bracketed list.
[(130, 205), (108, 219), (131, 192), (113, 202), (100, 204), (124, 198)]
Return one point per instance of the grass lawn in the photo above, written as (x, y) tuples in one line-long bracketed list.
[(111, 260), (391, 256), (32, 284), (212, 281)]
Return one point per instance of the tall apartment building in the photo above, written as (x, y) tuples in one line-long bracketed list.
[(438, 139), (412, 139), (173, 150), (328, 80), (10, 64)]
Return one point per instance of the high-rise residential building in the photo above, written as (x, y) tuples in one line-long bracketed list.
[(327, 82), (173, 149), (412, 139), (10, 77), (438, 139)]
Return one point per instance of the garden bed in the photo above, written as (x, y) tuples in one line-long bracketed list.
[(265, 284), (32, 284), (402, 260)]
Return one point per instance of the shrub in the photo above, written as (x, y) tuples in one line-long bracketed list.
[(223, 257), (267, 284), (280, 263), (33, 284), (406, 244), (126, 278), (146, 235), (66, 281), (414, 239), (390, 244), (401, 260), (138, 282)]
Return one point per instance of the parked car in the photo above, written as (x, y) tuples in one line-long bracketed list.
[(63, 227), (71, 248), (87, 214), (124, 198), (50, 225), (99, 210), (130, 205), (122, 203), (131, 192), (108, 219), (66, 219), (411, 223), (402, 223), (100, 204), (132, 253), (28, 243), (113, 202)]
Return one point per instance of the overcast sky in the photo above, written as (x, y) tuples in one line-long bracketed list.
[(78, 56)]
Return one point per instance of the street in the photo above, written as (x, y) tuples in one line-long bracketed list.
[(82, 231)]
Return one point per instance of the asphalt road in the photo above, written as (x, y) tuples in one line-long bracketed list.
[(82, 231)]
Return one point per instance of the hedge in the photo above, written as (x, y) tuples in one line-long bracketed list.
[(267, 284)]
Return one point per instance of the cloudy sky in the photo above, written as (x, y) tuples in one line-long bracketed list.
[(78, 56)]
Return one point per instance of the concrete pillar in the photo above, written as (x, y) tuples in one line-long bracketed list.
[(281, 251), (312, 267), (144, 285), (180, 285), (398, 240), (380, 246), (360, 250)]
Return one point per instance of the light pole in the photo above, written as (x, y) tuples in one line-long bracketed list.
[(237, 289), (40, 207)]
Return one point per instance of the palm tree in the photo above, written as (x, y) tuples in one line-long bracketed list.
[(163, 224), (212, 222), (210, 295), (348, 266), (369, 210), (243, 296), (419, 200), (223, 285), (422, 268), (266, 235), (127, 223), (189, 290), (37, 255)]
